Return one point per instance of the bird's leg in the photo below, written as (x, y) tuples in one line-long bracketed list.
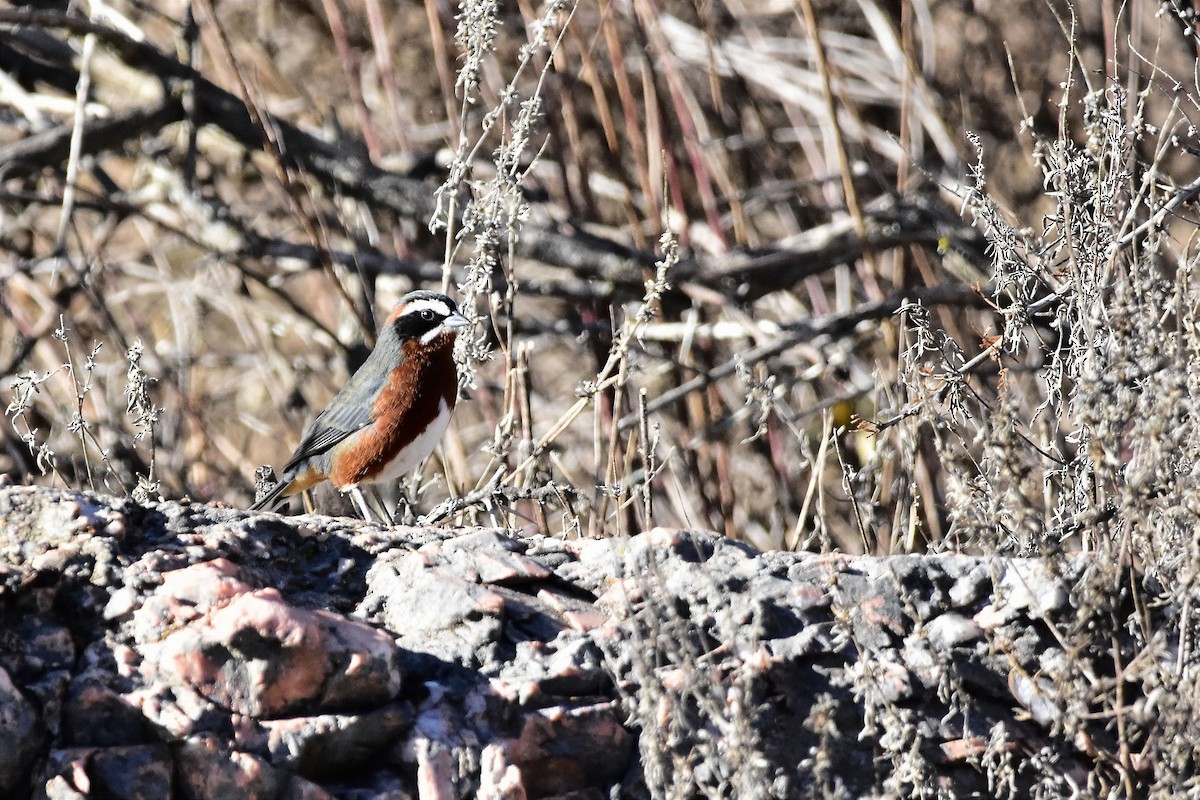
[(404, 509), (407, 489), (360, 501), (388, 513)]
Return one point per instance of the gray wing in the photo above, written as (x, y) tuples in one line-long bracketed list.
[(350, 410)]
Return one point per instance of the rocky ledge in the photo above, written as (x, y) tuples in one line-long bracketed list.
[(193, 651)]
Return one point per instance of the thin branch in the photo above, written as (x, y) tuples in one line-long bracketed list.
[(831, 325), (888, 222)]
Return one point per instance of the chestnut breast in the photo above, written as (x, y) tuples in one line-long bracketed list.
[(420, 392)]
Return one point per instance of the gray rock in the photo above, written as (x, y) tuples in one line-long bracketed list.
[(139, 772), (433, 610), (201, 652), (950, 630), (332, 744), (20, 736)]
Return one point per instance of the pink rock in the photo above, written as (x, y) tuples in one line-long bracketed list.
[(163, 712), (619, 597), (205, 769), (662, 537), (991, 616), (208, 583), (363, 659), (577, 614), (435, 772), (499, 780), (183, 594), (251, 652), (269, 657), (593, 550), (508, 568), (561, 749)]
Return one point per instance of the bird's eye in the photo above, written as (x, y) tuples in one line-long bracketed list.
[(427, 314)]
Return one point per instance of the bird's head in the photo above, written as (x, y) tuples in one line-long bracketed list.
[(424, 316)]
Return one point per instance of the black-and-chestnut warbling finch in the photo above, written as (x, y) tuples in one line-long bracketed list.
[(392, 412)]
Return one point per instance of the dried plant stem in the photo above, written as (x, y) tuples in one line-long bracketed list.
[(82, 91), (314, 228)]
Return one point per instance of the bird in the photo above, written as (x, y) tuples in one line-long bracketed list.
[(392, 412)]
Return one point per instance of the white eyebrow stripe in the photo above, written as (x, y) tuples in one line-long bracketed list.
[(426, 304)]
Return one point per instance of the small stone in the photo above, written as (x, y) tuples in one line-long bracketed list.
[(991, 616), (364, 665), (482, 541), (1032, 585), (498, 779), (183, 594), (951, 630), (804, 596), (54, 560), (177, 712), (120, 603), (578, 614), (970, 586), (891, 678), (597, 551), (508, 568), (60, 788), (1037, 696)]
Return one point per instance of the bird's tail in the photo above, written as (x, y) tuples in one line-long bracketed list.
[(274, 495)]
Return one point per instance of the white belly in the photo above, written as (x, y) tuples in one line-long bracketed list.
[(417, 450)]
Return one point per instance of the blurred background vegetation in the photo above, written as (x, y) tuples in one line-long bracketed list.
[(874, 277)]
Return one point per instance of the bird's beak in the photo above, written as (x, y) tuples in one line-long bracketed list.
[(455, 320)]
